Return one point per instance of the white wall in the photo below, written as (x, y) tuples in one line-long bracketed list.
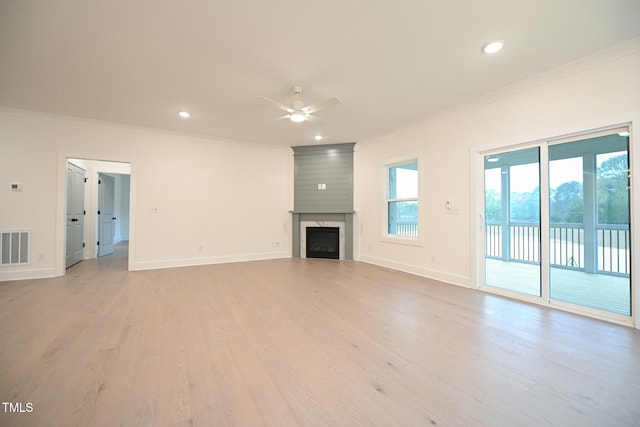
[(596, 92), (216, 201)]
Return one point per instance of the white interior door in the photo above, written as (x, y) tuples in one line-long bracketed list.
[(106, 214), (75, 215)]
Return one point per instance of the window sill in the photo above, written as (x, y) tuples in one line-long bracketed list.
[(401, 240)]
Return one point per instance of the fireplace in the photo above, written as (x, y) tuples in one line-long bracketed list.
[(323, 242), (323, 197), (322, 239)]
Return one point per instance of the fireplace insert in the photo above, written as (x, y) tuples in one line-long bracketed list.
[(323, 242)]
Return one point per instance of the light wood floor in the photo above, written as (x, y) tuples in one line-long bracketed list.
[(302, 342), (596, 290)]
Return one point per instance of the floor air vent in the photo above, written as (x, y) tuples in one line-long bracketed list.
[(14, 247)]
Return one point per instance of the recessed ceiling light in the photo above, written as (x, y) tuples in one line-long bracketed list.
[(493, 47), (184, 114), (318, 137)]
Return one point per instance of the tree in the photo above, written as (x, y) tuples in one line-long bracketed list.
[(575, 211), (613, 190), (566, 204), (525, 207), (492, 205)]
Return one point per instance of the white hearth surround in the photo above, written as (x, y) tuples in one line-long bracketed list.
[(303, 235)]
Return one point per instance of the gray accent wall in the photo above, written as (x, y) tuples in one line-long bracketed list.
[(327, 166), (323, 189)]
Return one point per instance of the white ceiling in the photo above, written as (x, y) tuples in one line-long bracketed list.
[(390, 63)]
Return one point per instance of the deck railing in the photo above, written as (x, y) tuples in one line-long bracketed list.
[(404, 228), (566, 246), (614, 244), (610, 250)]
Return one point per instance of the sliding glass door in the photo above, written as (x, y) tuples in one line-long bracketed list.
[(512, 216), (589, 227), (583, 241)]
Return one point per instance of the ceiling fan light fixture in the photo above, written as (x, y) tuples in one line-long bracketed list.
[(297, 116)]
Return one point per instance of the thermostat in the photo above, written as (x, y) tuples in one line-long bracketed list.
[(16, 186)]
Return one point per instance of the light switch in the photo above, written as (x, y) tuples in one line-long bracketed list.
[(451, 208)]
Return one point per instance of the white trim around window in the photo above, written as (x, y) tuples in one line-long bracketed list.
[(401, 193)]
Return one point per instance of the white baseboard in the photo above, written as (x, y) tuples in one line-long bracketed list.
[(440, 276), (36, 273), (186, 262)]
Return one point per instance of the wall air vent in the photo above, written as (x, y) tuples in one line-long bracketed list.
[(14, 247)]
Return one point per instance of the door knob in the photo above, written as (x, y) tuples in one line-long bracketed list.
[(114, 218)]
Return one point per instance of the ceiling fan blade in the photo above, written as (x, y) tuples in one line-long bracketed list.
[(322, 105), (315, 119), (277, 104)]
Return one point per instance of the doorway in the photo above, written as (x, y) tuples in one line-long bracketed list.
[(102, 237), (556, 224), (106, 214)]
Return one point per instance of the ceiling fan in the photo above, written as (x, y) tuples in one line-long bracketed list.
[(298, 112)]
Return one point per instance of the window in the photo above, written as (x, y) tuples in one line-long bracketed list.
[(402, 199)]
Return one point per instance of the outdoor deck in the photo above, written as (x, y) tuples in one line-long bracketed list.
[(600, 291)]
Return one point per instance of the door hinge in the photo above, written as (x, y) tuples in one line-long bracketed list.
[(98, 212), (98, 242), (84, 212), (85, 180), (83, 244), (99, 181)]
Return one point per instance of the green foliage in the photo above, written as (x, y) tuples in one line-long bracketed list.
[(525, 207), (567, 201), (613, 191), (492, 205), (407, 211)]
